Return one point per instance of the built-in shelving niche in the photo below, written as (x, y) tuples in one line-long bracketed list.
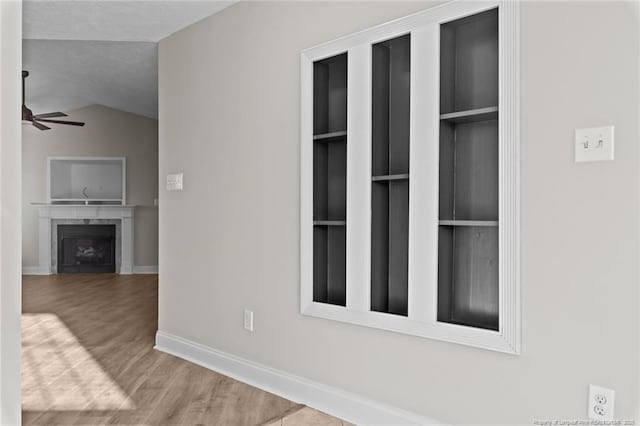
[(330, 179), (468, 206), (391, 62), (86, 180)]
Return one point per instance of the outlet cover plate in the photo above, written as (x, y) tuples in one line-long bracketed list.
[(601, 403), (248, 320)]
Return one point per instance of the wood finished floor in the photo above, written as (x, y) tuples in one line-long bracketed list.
[(88, 359)]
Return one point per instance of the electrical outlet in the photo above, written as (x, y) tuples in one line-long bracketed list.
[(248, 320), (600, 403)]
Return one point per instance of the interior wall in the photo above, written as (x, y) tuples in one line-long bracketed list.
[(107, 133), (229, 119), (10, 280)]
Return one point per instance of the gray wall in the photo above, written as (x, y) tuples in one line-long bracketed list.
[(229, 119), (109, 133)]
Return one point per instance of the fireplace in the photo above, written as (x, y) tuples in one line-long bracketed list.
[(86, 248)]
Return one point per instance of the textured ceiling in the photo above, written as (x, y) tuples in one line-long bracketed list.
[(86, 52), (70, 74), (111, 20)]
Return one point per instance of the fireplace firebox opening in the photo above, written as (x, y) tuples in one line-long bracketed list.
[(86, 248)]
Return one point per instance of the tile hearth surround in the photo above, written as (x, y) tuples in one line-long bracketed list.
[(50, 216)]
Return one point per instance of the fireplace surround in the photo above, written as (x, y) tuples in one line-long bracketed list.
[(51, 215)]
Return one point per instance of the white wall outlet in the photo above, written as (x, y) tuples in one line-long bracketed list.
[(174, 182), (155, 202), (594, 144), (601, 403), (248, 320)]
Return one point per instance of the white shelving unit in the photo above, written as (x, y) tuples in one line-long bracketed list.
[(410, 176), (86, 180)]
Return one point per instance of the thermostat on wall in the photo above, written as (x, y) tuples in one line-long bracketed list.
[(174, 182)]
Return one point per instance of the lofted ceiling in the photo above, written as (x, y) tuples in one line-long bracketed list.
[(85, 52)]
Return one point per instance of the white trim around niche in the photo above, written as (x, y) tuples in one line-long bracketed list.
[(422, 320)]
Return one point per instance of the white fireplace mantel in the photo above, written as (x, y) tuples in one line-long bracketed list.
[(47, 213)]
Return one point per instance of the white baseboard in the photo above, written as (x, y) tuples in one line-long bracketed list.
[(145, 269), (35, 270), (336, 402)]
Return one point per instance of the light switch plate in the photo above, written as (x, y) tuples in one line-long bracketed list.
[(594, 144), (174, 182)]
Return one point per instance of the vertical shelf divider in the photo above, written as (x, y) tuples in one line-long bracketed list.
[(423, 185), (358, 182)]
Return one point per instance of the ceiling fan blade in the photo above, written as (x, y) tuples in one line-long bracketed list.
[(50, 115), (72, 123), (40, 126)]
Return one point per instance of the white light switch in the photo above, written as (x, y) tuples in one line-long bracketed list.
[(594, 144), (174, 182)]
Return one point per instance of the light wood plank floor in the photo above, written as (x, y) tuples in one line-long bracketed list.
[(88, 359)]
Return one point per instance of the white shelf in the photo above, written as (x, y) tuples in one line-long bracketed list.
[(468, 223), (472, 115), (384, 178), (328, 137)]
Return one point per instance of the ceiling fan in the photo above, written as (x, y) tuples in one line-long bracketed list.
[(36, 120)]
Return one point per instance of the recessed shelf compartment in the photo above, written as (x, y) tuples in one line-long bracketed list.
[(330, 137), (389, 246), (468, 276), (402, 176), (469, 63), (330, 179), (329, 264), (391, 65), (469, 172), (480, 114), (330, 95)]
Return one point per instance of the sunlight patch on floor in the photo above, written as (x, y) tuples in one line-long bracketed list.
[(59, 374)]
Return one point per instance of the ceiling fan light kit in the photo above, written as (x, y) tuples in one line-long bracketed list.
[(36, 120)]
